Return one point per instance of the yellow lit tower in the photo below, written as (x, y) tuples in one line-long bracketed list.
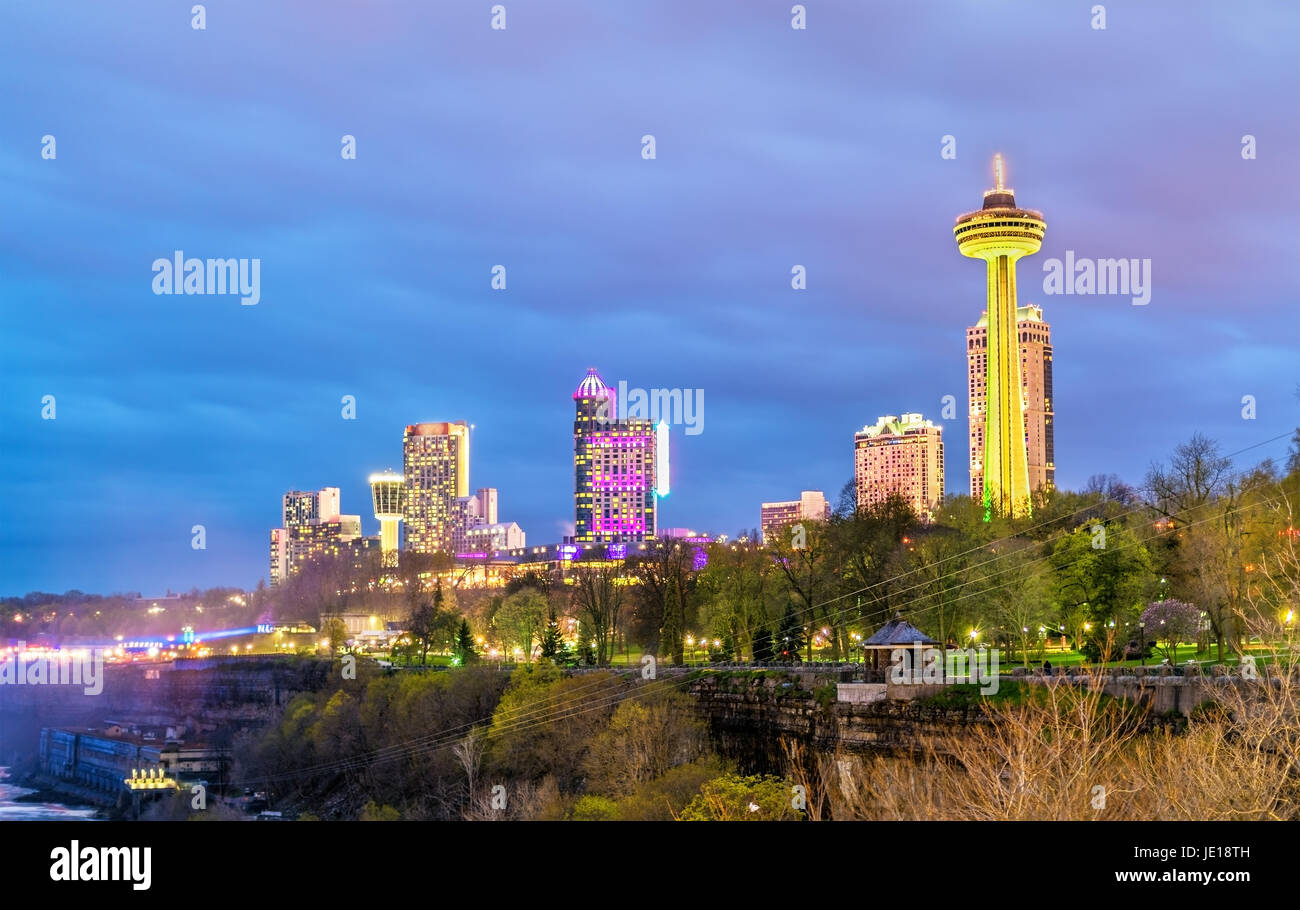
[(388, 490), (1000, 233)]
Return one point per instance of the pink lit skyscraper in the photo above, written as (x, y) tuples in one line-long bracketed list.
[(614, 497)]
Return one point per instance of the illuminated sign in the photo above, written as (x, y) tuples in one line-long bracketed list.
[(661, 459)]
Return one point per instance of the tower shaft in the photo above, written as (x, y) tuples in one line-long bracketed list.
[(388, 528), (1006, 461)]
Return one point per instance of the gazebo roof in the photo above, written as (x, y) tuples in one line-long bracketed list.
[(898, 632)]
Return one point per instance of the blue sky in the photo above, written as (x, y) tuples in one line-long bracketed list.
[(522, 147)]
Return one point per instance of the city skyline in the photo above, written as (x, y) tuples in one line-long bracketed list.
[(674, 272)]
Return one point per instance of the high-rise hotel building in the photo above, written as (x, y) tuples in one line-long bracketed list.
[(900, 455), (313, 530), (1035, 340), (614, 497), (435, 465), (774, 516)]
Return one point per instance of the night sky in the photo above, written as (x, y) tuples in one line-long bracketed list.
[(522, 147)]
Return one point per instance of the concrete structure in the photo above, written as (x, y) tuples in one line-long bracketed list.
[(1035, 337), (435, 464), (810, 506), (493, 538), (901, 455), (464, 518), (487, 504), (388, 493), (1000, 233), (103, 758), (614, 466)]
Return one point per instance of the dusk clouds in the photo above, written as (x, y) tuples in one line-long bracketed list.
[(474, 147)]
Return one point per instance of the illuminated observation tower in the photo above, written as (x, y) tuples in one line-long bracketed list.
[(388, 490), (1000, 233)]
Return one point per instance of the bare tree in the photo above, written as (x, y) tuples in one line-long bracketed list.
[(598, 598)]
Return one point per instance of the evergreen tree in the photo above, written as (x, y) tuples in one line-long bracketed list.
[(789, 636), (763, 650), (724, 651), (553, 647), (465, 652)]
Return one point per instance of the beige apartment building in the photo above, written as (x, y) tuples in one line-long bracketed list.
[(1036, 383), (900, 455)]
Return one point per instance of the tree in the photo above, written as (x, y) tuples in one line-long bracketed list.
[(866, 546), (763, 649), (645, 738), (1196, 473), (943, 581), (732, 590), (1019, 605), (1215, 514), (337, 633), (789, 635), (1105, 571), (1167, 622), (735, 798), (553, 646), (664, 605), (465, 651), (598, 597), (520, 619), (376, 813), (802, 554), (420, 627)]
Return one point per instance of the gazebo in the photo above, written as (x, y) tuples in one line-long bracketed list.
[(897, 633)]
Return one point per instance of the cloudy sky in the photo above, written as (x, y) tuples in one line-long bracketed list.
[(476, 147)]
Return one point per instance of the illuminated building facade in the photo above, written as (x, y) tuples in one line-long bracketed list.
[(321, 540), (1000, 233), (495, 537), (810, 506), (435, 463), (279, 555), (901, 455), (1035, 338), (614, 468), (303, 507), (464, 518), (388, 493), (301, 539)]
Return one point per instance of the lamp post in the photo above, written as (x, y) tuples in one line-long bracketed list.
[(1142, 644)]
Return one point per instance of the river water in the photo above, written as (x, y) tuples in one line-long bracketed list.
[(11, 811)]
